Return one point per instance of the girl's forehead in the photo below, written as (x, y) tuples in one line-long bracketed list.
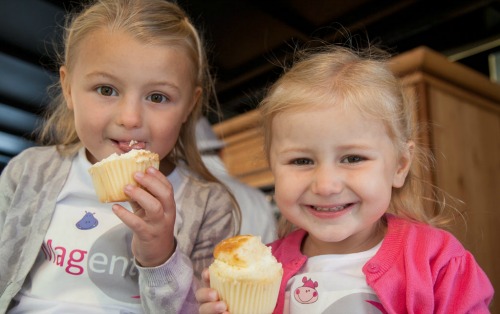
[(328, 128), (332, 107), (326, 117), (363, 102), (130, 62), (117, 45), (120, 40)]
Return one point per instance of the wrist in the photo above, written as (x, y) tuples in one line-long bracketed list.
[(158, 260)]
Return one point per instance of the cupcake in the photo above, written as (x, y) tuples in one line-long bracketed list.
[(110, 175), (246, 275)]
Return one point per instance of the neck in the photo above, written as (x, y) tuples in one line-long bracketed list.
[(312, 246), (166, 166)]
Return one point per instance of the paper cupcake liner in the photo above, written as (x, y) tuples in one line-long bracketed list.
[(247, 297), (110, 178)]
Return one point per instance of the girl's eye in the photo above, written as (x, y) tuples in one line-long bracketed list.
[(302, 161), (106, 91), (157, 98), (352, 159)]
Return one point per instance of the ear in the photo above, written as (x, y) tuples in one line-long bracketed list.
[(194, 101), (65, 86), (404, 164)]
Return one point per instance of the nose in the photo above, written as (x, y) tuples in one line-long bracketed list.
[(129, 113), (327, 181)]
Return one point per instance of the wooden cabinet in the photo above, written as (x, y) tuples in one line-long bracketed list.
[(461, 111), (244, 151)]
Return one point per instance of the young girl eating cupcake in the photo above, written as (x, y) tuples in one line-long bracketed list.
[(133, 75)]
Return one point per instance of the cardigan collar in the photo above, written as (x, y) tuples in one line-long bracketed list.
[(392, 246)]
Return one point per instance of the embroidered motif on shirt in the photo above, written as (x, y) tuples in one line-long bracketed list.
[(307, 293), (87, 222)]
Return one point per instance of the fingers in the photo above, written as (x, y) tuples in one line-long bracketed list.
[(151, 202), (153, 217), (155, 196), (204, 295), (209, 298), (205, 276), (209, 301)]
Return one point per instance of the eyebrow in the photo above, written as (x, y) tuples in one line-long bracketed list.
[(112, 77), (102, 74), (341, 147), (293, 150), (354, 146)]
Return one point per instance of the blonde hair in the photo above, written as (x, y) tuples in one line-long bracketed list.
[(362, 80)]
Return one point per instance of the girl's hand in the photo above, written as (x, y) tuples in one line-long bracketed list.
[(209, 298), (153, 218)]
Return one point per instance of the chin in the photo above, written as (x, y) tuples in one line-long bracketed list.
[(328, 235)]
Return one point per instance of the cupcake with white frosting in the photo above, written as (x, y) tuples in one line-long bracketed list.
[(246, 275), (110, 175)]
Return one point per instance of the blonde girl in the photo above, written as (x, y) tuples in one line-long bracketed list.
[(355, 236), (133, 75)]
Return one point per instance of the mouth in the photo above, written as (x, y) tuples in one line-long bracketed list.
[(128, 145), (331, 209)]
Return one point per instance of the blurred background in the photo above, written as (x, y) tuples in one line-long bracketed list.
[(247, 40)]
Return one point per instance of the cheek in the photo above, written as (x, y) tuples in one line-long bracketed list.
[(286, 191), (370, 186), (82, 120), (89, 120), (164, 137), (376, 179), (287, 200), (376, 192), (85, 109)]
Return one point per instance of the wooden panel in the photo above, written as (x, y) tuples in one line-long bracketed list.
[(245, 157), (427, 61), (262, 179), (244, 154), (467, 150), (463, 131), (227, 128)]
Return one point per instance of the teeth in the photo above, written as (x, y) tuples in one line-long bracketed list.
[(329, 209)]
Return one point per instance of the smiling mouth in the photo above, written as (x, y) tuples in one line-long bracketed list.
[(331, 209)]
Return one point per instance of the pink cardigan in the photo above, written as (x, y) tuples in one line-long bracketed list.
[(418, 269)]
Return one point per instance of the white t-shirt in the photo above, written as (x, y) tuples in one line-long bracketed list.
[(332, 284), (85, 264)]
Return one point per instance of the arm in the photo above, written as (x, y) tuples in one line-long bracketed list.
[(7, 242), (7, 186), (29, 186), (462, 287), (170, 287), (218, 223), (166, 276)]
